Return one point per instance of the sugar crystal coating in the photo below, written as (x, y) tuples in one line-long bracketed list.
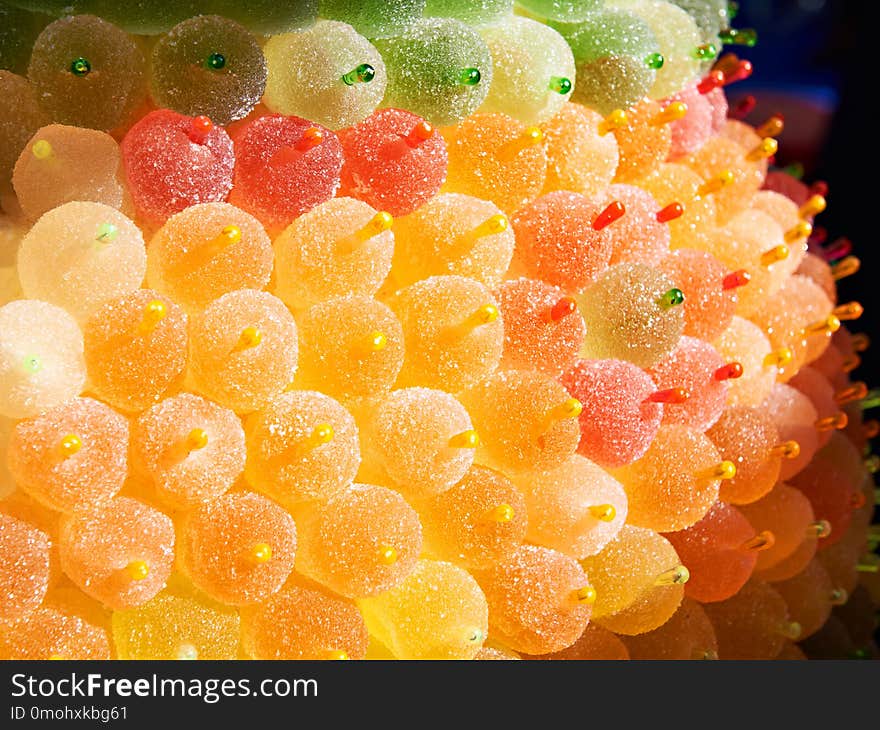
[(744, 342), (24, 568), (49, 633), (785, 512), (643, 146), (20, 117), (694, 129), (374, 18), (638, 236), (687, 635), (595, 644), (473, 12), (570, 11)]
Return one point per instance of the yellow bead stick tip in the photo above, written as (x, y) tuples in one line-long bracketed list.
[(337, 655), (374, 341), (677, 576), (779, 358), (469, 439), (827, 326), (154, 313), (851, 394), (791, 630), (585, 595), (379, 223), (787, 450), (568, 409), (838, 596), (387, 554), (815, 204), (486, 314), (603, 512), (798, 232), (42, 149), (775, 255), (615, 120), (764, 540), (766, 148), (529, 138), (260, 553), (196, 439), (773, 127), (502, 514), (69, 445), (721, 471), (137, 570), (228, 236), (716, 184), (534, 135), (848, 312), (837, 422), (869, 563), (670, 113), (819, 529), (845, 267), (491, 226), (249, 338), (322, 434)]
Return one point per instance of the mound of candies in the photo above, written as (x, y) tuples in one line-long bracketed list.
[(415, 329)]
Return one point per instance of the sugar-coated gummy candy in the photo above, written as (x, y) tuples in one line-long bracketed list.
[(711, 16), (177, 624), (238, 548), (327, 73), (526, 421), (136, 349), (419, 440), (472, 12), (618, 420), (595, 644), (675, 183), (24, 568), (49, 633), (437, 612), (173, 161), (539, 599), (694, 129), (267, 17), (787, 514), (642, 141), (453, 332), (579, 157), (374, 18), (41, 357), (361, 542), (576, 508), (651, 609), (190, 449), (570, 11), (20, 117), (121, 553), (87, 72), (496, 157), (207, 250), (478, 521), (439, 68), (744, 342), (72, 457), (676, 482), (18, 504), (639, 235), (543, 329), (284, 166), (687, 635), (394, 160), (453, 234), (533, 69), (81, 255), (632, 312), (62, 163), (809, 597), (208, 65), (301, 446), (243, 349)]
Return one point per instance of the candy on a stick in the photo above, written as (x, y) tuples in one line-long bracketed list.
[(394, 160), (352, 349), (576, 508), (437, 612), (596, 644), (539, 599), (676, 482), (643, 138), (24, 568), (190, 449), (238, 548), (673, 183), (81, 255), (744, 342), (419, 440), (720, 552), (641, 234), (543, 329), (61, 163), (135, 349), (41, 358), (374, 18), (284, 166), (810, 596), (453, 332), (327, 73), (301, 446), (20, 118), (787, 514), (49, 633), (243, 349), (173, 161), (694, 129), (439, 68), (633, 312), (688, 635), (361, 542), (476, 522), (526, 421), (72, 457), (497, 158), (121, 553), (580, 158), (620, 409), (533, 69), (472, 12), (208, 65), (87, 72)]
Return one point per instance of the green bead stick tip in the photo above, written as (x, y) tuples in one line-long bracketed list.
[(216, 61), (655, 61), (362, 74), (560, 84), (469, 76), (672, 298), (80, 66)]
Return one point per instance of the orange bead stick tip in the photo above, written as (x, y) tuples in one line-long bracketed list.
[(669, 396), (670, 213), (196, 439), (845, 267), (764, 540), (670, 113), (711, 81), (860, 342), (721, 471), (500, 514), (337, 655), (773, 127), (871, 429), (851, 393), (379, 223), (421, 132), (387, 554), (848, 312), (786, 450), (736, 279), (69, 445), (603, 512), (311, 138), (677, 576), (491, 226), (615, 120), (465, 440), (566, 410), (837, 422), (486, 314), (814, 205), (562, 309), (827, 326), (731, 371), (249, 338), (373, 342), (612, 212), (199, 128)]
